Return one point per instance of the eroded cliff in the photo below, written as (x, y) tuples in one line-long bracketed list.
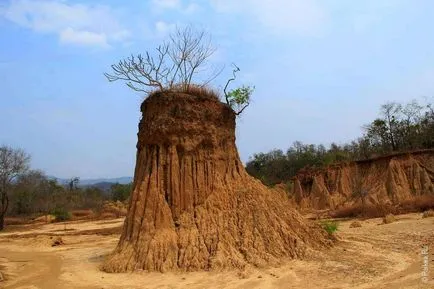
[(389, 179)]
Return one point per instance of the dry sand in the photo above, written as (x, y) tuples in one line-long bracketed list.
[(373, 256)]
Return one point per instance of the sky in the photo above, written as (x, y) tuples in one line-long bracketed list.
[(321, 69)]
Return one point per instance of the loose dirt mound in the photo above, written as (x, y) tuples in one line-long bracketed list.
[(390, 179), (355, 224), (193, 206)]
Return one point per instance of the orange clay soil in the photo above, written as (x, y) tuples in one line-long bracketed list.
[(193, 206), (388, 179)]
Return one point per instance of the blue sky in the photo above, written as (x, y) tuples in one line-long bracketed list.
[(321, 69)]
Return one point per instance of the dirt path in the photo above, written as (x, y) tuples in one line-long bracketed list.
[(41, 270), (373, 256)]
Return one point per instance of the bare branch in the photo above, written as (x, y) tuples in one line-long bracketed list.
[(213, 75), (236, 69), (175, 62), (243, 108)]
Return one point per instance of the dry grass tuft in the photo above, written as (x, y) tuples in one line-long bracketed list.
[(82, 214), (192, 89), (367, 211), (389, 218), (16, 221), (418, 204), (45, 219), (113, 210), (428, 214), (107, 215)]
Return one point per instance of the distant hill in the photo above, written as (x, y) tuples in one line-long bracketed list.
[(104, 186), (102, 182)]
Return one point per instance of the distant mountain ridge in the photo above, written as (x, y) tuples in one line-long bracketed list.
[(90, 182)]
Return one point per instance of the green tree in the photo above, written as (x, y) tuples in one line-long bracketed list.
[(239, 98), (390, 112), (29, 193), (399, 128), (121, 192)]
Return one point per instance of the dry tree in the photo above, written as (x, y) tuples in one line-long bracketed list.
[(13, 162), (175, 66), (176, 63)]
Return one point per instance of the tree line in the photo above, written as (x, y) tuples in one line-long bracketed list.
[(399, 127), (28, 192)]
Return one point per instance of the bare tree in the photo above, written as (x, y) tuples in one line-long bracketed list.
[(175, 63), (13, 162), (390, 111), (409, 128)]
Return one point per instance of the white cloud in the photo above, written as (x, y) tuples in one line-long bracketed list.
[(163, 28), (161, 5), (305, 17), (227, 6), (86, 38), (73, 23), (191, 8), (168, 4)]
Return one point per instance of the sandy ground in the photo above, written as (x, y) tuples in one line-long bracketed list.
[(373, 256)]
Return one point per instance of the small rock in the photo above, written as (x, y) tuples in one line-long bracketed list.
[(57, 242), (259, 276)]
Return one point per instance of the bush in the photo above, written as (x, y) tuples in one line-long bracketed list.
[(119, 209), (330, 226), (367, 211), (16, 220), (107, 215), (61, 214), (120, 192), (418, 204), (289, 186), (82, 213)]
